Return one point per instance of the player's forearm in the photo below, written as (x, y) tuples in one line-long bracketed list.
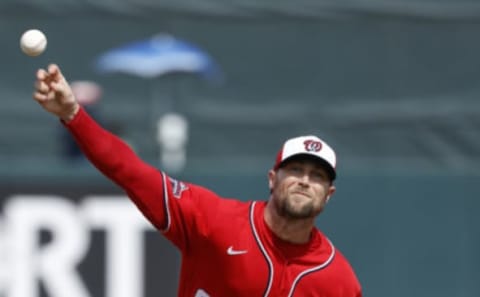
[(106, 151), (117, 161)]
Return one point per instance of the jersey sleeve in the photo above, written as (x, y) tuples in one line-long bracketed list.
[(173, 207), (190, 211), (349, 276)]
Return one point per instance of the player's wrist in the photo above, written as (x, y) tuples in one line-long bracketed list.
[(70, 115)]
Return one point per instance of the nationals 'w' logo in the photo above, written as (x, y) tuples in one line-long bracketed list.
[(312, 145)]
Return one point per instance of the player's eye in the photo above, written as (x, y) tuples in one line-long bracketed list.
[(319, 175), (296, 168)]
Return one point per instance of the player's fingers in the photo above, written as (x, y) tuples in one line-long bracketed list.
[(41, 86), (51, 96), (54, 72), (63, 90), (41, 74), (52, 68), (39, 97), (43, 79), (59, 87)]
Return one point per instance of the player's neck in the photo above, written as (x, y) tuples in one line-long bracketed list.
[(296, 231)]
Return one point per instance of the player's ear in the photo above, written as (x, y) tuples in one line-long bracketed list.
[(271, 179), (331, 190)]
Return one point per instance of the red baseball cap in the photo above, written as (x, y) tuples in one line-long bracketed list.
[(310, 146)]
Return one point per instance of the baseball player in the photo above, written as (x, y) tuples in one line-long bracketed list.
[(228, 247)]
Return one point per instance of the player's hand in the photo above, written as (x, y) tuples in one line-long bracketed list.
[(54, 94)]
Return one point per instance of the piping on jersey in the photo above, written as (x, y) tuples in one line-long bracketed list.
[(270, 264), (166, 206), (319, 267), (262, 248)]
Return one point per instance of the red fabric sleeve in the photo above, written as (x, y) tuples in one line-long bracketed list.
[(191, 211), (117, 161), (176, 208)]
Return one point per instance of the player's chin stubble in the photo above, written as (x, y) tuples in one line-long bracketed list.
[(287, 209)]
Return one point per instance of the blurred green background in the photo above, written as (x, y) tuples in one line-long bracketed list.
[(393, 87)]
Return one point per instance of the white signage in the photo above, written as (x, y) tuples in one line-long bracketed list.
[(25, 262)]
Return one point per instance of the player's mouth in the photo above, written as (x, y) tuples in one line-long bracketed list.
[(300, 193)]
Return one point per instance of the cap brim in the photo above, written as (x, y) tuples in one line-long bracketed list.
[(330, 170)]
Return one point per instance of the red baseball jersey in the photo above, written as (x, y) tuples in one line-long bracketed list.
[(227, 249)]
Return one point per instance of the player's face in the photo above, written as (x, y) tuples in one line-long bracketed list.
[(300, 188)]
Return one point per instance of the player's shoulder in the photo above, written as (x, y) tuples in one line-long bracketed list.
[(327, 244), (236, 205), (341, 262), (203, 193)]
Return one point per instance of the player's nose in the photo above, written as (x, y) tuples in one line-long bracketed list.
[(304, 179)]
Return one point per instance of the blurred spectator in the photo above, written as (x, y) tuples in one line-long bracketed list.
[(172, 138)]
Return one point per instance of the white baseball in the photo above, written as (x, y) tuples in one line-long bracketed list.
[(33, 42)]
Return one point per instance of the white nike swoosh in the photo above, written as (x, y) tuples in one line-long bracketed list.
[(233, 252)]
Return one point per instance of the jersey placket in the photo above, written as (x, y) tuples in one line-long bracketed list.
[(284, 277), (281, 279)]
